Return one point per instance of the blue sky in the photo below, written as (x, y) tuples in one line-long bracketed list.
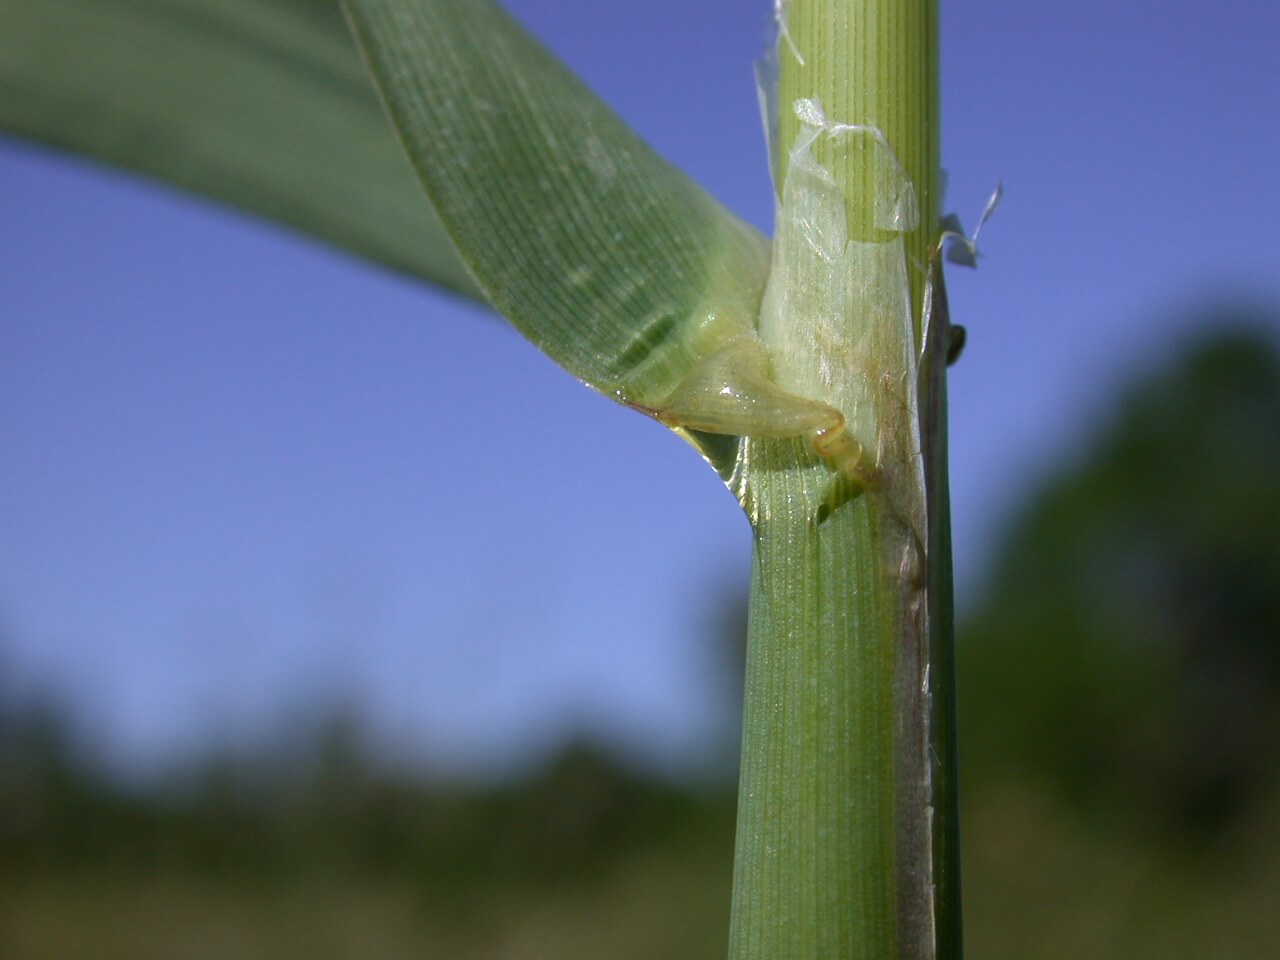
[(240, 471)]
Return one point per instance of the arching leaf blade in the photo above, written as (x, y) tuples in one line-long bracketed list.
[(603, 254), (262, 104)]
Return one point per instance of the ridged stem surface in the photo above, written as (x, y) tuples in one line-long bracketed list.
[(847, 752)]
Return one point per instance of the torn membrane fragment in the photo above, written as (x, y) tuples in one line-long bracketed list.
[(780, 21), (962, 248)]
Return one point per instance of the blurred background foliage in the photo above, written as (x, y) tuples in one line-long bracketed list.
[(1120, 698)]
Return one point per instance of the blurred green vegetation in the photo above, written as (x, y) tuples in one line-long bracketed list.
[(1120, 698), (1120, 679), (1139, 597)]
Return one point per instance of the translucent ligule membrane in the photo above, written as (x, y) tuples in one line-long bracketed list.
[(834, 361), (836, 316)]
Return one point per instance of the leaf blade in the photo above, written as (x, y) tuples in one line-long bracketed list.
[(263, 104), (604, 255)]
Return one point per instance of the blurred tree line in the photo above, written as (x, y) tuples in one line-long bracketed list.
[(1128, 649), (1120, 723)]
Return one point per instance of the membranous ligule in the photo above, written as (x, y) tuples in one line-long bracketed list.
[(710, 373), (829, 353)]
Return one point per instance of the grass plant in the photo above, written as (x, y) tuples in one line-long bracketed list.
[(809, 373)]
